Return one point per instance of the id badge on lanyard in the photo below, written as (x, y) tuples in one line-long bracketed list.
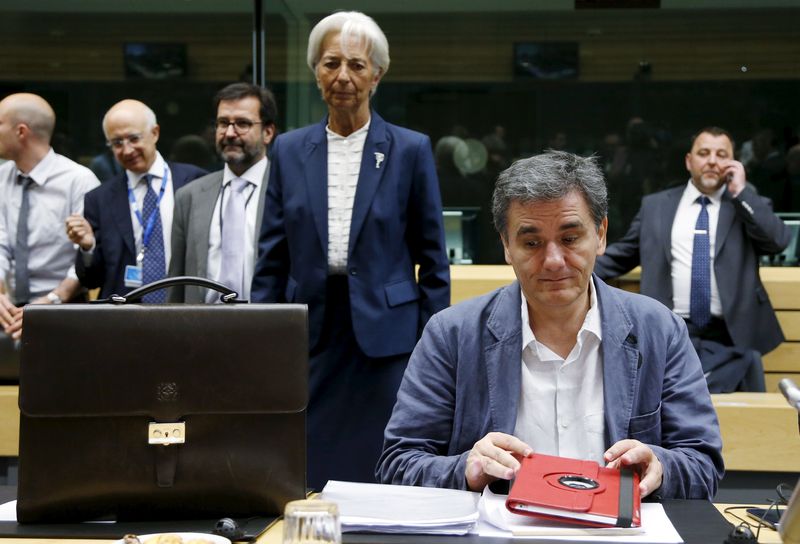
[(133, 274)]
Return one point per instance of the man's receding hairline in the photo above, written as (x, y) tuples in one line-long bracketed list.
[(694, 144), (137, 108)]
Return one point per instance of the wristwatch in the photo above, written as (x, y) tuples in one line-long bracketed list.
[(53, 297)]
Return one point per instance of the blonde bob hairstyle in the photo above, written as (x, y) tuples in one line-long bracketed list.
[(352, 26)]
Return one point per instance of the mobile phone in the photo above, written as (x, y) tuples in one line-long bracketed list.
[(769, 517)]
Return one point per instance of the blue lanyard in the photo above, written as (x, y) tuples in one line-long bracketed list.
[(147, 230)]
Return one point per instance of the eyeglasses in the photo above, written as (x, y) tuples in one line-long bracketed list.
[(239, 125), (119, 143)]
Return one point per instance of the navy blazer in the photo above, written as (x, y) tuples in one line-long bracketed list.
[(108, 211), (396, 225), (746, 228), (464, 380)]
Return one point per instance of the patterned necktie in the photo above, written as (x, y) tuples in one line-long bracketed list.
[(700, 295), (234, 224), (153, 265), (22, 284)]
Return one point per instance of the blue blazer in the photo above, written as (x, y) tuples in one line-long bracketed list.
[(746, 229), (464, 378), (108, 212), (396, 225)]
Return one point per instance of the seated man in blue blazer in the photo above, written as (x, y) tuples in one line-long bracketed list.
[(556, 363), (123, 243)]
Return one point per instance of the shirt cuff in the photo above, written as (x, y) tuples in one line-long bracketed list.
[(87, 255)]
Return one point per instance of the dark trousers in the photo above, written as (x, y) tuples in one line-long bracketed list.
[(727, 368), (715, 331), (351, 397)]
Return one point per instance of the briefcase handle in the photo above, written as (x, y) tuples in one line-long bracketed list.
[(229, 296)]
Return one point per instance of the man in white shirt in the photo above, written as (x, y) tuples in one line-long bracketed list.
[(699, 246), (124, 232), (557, 363), (218, 217), (38, 190)]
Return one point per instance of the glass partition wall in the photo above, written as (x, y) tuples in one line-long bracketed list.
[(85, 56), (489, 82)]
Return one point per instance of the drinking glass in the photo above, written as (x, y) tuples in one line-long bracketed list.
[(311, 521)]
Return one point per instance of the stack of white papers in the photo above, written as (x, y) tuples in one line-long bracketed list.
[(382, 508)]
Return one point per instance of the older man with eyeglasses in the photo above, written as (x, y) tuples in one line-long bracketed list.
[(218, 217), (124, 233)]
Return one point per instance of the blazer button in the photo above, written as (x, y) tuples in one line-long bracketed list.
[(354, 271)]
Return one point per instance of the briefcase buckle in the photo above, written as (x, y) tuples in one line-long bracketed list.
[(165, 434)]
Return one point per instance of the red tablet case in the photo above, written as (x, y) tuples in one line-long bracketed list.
[(576, 491)]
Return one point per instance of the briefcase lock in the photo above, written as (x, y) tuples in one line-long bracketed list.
[(166, 434)]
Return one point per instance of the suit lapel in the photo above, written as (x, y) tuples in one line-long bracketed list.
[(202, 215), (505, 323), (620, 363), (176, 180), (177, 176), (724, 221), (667, 217), (316, 174), (121, 211), (262, 196), (370, 174)]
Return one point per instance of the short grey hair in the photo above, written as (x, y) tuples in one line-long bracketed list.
[(351, 25), (549, 176)]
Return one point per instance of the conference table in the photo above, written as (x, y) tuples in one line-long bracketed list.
[(766, 536), (698, 522)]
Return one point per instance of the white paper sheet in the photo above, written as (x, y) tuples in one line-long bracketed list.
[(8, 511)]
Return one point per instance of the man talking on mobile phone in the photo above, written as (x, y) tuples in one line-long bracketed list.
[(698, 246)]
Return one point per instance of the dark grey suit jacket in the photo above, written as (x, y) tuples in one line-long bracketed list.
[(191, 224), (746, 229)]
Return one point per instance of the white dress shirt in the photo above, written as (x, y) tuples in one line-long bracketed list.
[(682, 240), (57, 192), (561, 410), (344, 165), (255, 176)]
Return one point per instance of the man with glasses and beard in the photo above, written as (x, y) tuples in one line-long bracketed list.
[(217, 218), (124, 231)]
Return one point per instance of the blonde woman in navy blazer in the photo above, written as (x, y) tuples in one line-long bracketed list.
[(366, 311)]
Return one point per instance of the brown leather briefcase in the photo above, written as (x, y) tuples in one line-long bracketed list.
[(140, 412)]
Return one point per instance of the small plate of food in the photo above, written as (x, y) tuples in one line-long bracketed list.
[(174, 538)]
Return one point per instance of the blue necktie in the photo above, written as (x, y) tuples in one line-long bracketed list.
[(700, 295), (153, 267)]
